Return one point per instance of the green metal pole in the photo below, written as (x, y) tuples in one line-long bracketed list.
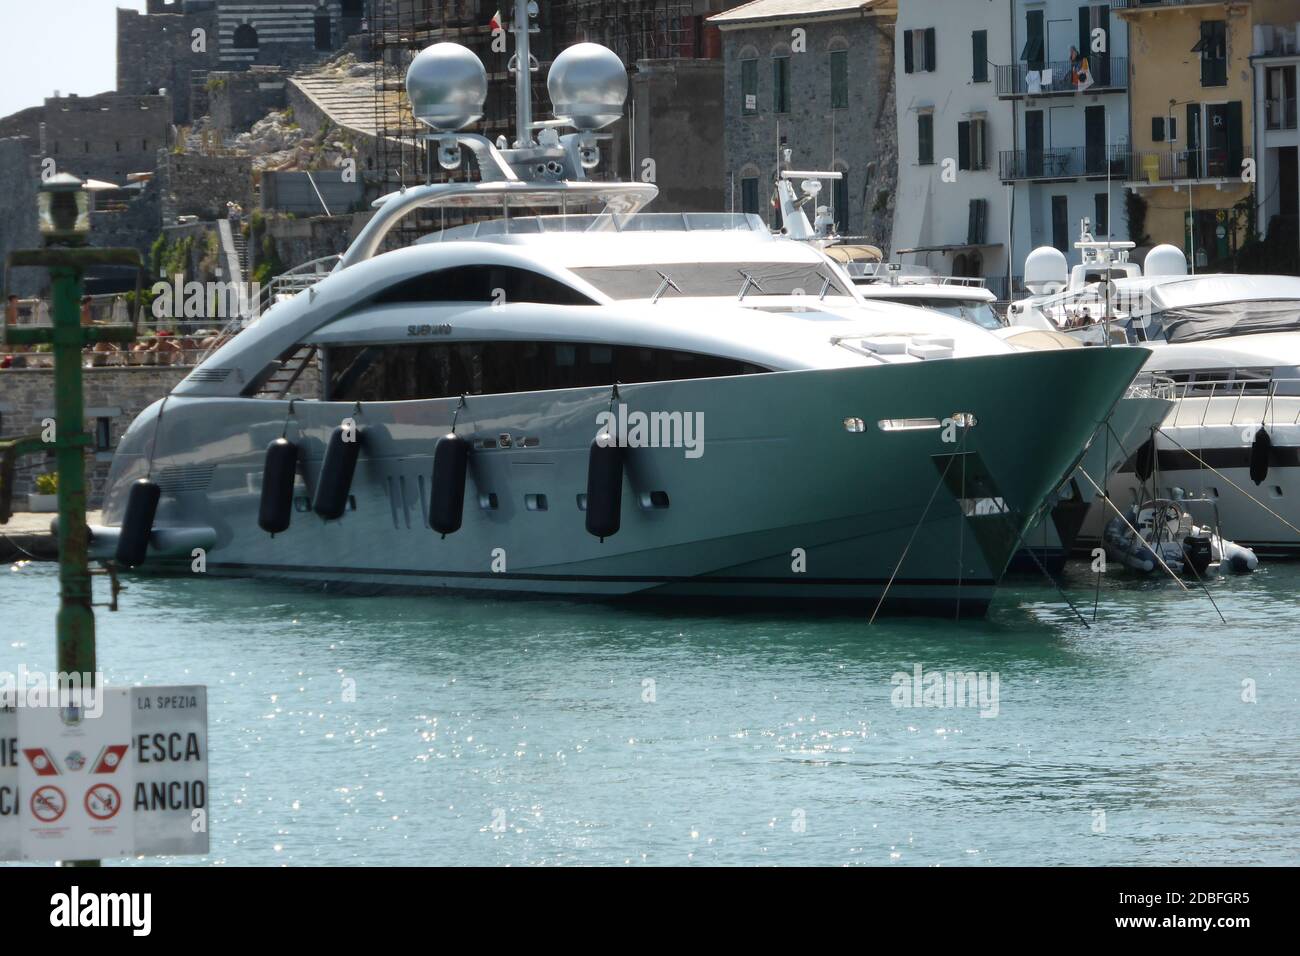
[(76, 618)]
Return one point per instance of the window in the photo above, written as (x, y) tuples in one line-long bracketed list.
[(502, 284), (977, 222), (1061, 223), (1171, 129), (748, 86), (1101, 214), (245, 37), (781, 84), (925, 139), (971, 144), (1280, 97), (1032, 54), (839, 79), (324, 40), (749, 195), (840, 200), (1213, 48), (979, 52), (407, 372), (716, 279), (1157, 129), (919, 51)]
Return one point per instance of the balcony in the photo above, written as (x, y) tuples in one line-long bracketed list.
[(1109, 75), (1165, 167), (1160, 4), (1056, 164), (1274, 40)]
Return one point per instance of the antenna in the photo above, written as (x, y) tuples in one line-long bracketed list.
[(523, 74)]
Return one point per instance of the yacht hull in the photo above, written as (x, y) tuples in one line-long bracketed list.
[(780, 502), (1203, 449)]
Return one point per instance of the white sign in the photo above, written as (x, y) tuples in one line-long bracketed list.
[(751, 101), (130, 781), (10, 826)]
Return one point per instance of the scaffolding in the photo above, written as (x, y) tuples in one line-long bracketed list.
[(636, 29)]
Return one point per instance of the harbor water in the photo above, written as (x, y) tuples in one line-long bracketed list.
[(455, 730)]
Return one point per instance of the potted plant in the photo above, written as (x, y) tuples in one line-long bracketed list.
[(46, 495)]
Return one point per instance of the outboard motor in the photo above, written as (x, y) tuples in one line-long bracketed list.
[(604, 486), (447, 499), (336, 472), (1197, 553), (278, 475), (137, 523)]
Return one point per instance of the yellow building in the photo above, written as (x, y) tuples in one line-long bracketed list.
[(1191, 111)]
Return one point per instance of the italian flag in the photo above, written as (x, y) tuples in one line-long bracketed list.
[(495, 22)]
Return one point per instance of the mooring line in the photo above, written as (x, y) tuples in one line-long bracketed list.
[(1043, 514), (1230, 481), (903, 556), (1154, 553)]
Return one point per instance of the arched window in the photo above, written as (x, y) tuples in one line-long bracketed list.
[(245, 37), (324, 38)]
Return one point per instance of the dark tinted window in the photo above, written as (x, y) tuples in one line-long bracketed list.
[(482, 284), (378, 373)]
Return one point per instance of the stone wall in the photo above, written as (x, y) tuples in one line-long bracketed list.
[(678, 108), (864, 133), (115, 395), (238, 100), (19, 178), (108, 136), (134, 227), (302, 240), (202, 185)]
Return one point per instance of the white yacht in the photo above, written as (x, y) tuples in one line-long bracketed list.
[(578, 398), (1230, 345)]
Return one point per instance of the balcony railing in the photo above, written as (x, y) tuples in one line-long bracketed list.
[(1109, 73), (1161, 166), (1070, 162), (1280, 114), (1142, 4)]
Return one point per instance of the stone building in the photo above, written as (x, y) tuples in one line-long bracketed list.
[(175, 44), (106, 137), (816, 77)]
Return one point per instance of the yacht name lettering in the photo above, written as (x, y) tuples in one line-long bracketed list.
[(426, 329), (638, 429)]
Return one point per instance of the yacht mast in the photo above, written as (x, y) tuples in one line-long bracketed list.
[(523, 74)]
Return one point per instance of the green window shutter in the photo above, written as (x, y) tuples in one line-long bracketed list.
[(1157, 129), (979, 41), (963, 145), (925, 138), (781, 84), (748, 86), (931, 63), (1235, 141), (909, 65), (839, 79)]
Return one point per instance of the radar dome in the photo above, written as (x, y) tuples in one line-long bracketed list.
[(588, 85), (447, 86), (1046, 271), (1165, 260)]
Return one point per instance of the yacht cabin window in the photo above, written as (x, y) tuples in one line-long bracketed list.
[(482, 283), (406, 372)]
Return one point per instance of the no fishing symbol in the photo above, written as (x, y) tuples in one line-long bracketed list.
[(103, 801), (48, 804)]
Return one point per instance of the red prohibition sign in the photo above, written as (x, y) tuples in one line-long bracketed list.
[(103, 801), (48, 803)]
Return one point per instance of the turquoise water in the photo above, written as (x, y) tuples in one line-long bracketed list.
[(489, 732)]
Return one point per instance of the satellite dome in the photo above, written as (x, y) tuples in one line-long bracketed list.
[(447, 86), (1046, 271), (588, 84), (1165, 260)]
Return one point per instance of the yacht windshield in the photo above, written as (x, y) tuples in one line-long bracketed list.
[(745, 280), (973, 311)]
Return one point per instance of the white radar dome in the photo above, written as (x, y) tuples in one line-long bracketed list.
[(447, 86), (588, 85)]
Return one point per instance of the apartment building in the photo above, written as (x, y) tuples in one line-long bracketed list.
[(1276, 60), (953, 213), (1194, 169)]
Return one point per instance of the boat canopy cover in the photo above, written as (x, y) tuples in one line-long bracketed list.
[(1211, 307)]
